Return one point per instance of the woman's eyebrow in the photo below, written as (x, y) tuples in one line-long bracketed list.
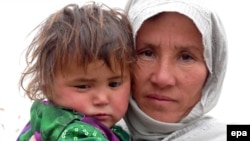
[(189, 47)]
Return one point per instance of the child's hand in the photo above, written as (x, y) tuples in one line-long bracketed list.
[(33, 138)]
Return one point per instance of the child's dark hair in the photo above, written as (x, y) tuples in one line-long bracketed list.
[(80, 34)]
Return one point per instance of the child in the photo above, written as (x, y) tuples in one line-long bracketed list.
[(79, 65)]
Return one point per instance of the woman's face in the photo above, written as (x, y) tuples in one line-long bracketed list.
[(171, 70)]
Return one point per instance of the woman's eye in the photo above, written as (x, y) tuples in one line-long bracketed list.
[(147, 53), (186, 57), (114, 84)]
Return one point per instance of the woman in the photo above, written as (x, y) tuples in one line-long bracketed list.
[(182, 56)]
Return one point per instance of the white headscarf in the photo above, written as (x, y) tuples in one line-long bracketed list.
[(215, 54)]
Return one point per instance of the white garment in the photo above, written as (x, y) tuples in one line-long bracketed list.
[(143, 128), (196, 126)]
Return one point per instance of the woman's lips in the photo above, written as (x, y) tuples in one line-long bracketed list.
[(160, 98)]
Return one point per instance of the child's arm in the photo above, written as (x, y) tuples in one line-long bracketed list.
[(82, 132), (77, 131)]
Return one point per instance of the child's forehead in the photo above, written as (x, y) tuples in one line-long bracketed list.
[(81, 66)]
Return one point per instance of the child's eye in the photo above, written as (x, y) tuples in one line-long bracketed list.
[(114, 84), (82, 86)]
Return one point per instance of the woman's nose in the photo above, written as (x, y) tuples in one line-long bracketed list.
[(163, 74)]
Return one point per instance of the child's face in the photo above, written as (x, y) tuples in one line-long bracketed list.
[(97, 92)]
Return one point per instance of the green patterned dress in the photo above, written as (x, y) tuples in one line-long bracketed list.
[(53, 123)]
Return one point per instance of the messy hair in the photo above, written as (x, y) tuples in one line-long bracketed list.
[(80, 34)]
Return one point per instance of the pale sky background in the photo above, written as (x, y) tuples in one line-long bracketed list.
[(18, 18)]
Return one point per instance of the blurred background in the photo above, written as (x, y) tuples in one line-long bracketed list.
[(18, 18)]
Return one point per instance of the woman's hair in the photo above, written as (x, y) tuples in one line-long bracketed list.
[(80, 35)]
